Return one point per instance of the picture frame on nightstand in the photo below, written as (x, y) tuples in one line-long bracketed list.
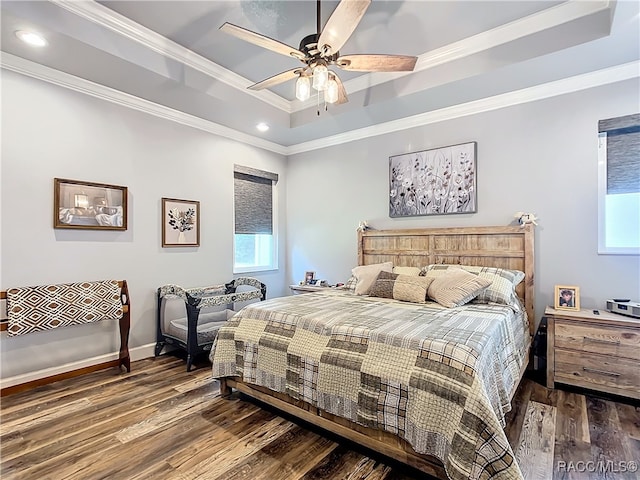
[(566, 297), (309, 278)]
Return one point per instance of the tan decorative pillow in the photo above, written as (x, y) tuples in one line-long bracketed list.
[(367, 274), (503, 281), (407, 288), (413, 271), (456, 287)]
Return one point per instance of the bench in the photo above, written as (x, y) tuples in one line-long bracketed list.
[(45, 307)]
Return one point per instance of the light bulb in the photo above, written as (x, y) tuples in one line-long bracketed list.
[(303, 88), (320, 77), (331, 93)]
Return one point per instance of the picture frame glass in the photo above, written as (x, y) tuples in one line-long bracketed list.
[(89, 205), (567, 297), (309, 278), (440, 181), (180, 223)]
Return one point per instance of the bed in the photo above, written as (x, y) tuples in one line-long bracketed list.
[(425, 384)]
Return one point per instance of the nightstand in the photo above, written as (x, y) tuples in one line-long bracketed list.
[(298, 289), (598, 352)]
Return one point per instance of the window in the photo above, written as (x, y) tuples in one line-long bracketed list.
[(619, 185), (255, 244)]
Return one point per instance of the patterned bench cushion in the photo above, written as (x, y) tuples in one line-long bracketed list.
[(45, 307)]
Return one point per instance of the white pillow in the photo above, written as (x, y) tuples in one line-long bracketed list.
[(367, 274), (412, 271)]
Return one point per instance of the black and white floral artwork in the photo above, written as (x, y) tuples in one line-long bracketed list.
[(180, 223), (440, 181)]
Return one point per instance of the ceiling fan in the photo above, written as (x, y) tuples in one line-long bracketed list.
[(320, 51)]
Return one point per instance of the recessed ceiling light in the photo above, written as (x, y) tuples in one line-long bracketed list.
[(263, 127), (32, 38)]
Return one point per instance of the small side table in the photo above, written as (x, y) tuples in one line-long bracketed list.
[(298, 289), (598, 352)]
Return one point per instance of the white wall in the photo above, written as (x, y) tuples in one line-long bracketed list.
[(538, 157), (48, 132)]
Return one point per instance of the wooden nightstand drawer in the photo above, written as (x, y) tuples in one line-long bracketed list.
[(598, 372), (593, 349), (606, 340)]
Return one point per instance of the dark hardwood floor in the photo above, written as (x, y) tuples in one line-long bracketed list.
[(160, 422)]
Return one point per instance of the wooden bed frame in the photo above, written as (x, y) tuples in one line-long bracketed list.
[(509, 247)]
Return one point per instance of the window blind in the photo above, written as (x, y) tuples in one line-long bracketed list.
[(623, 153), (253, 200)]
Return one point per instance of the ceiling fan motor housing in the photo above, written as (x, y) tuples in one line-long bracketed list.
[(309, 46)]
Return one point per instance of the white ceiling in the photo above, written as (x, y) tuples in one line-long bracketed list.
[(171, 59)]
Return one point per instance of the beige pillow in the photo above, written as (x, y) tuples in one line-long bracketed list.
[(407, 288), (367, 274), (503, 281), (456, 287), (413, 271)]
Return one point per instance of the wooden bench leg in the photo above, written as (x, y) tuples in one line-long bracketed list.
[(125, 325), (225, 389)]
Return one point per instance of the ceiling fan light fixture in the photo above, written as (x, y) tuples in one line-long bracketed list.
[(331, 93), (303, 88), (319, 50), (320, 77)]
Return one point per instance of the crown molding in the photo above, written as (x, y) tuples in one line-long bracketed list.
[(107, 18), (81, 85), (545, 19), (501, 35), (531, 94), (576, 83)]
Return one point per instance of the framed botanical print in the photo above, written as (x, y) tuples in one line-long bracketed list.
[(180, 223), (440, 181)]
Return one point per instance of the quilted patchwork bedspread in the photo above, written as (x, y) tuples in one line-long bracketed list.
[(439, 378)]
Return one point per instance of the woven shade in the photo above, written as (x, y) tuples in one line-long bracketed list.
[(253, 195), (623, 153)]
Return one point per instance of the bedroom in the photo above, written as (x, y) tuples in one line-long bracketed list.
[(538, 155)]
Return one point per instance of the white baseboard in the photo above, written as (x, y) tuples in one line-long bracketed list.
[(137, 353)]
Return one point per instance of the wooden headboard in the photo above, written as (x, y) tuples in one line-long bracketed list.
[(509, 247)]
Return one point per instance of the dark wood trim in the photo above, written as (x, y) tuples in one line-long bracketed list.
[(54, 378)]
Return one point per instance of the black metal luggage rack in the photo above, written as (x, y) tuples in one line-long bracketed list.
[(196, 332)]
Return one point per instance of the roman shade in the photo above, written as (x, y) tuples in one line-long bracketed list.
[(253, 200), (623, 153)]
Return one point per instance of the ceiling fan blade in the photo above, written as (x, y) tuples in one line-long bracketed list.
[(342, 93), (276, 79), (341, 24), (377, 63), (262, 41)]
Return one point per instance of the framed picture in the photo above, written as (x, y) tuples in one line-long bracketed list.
[(309, 278), (567, 297), (180, 223), (440, 181), (89, 205)]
